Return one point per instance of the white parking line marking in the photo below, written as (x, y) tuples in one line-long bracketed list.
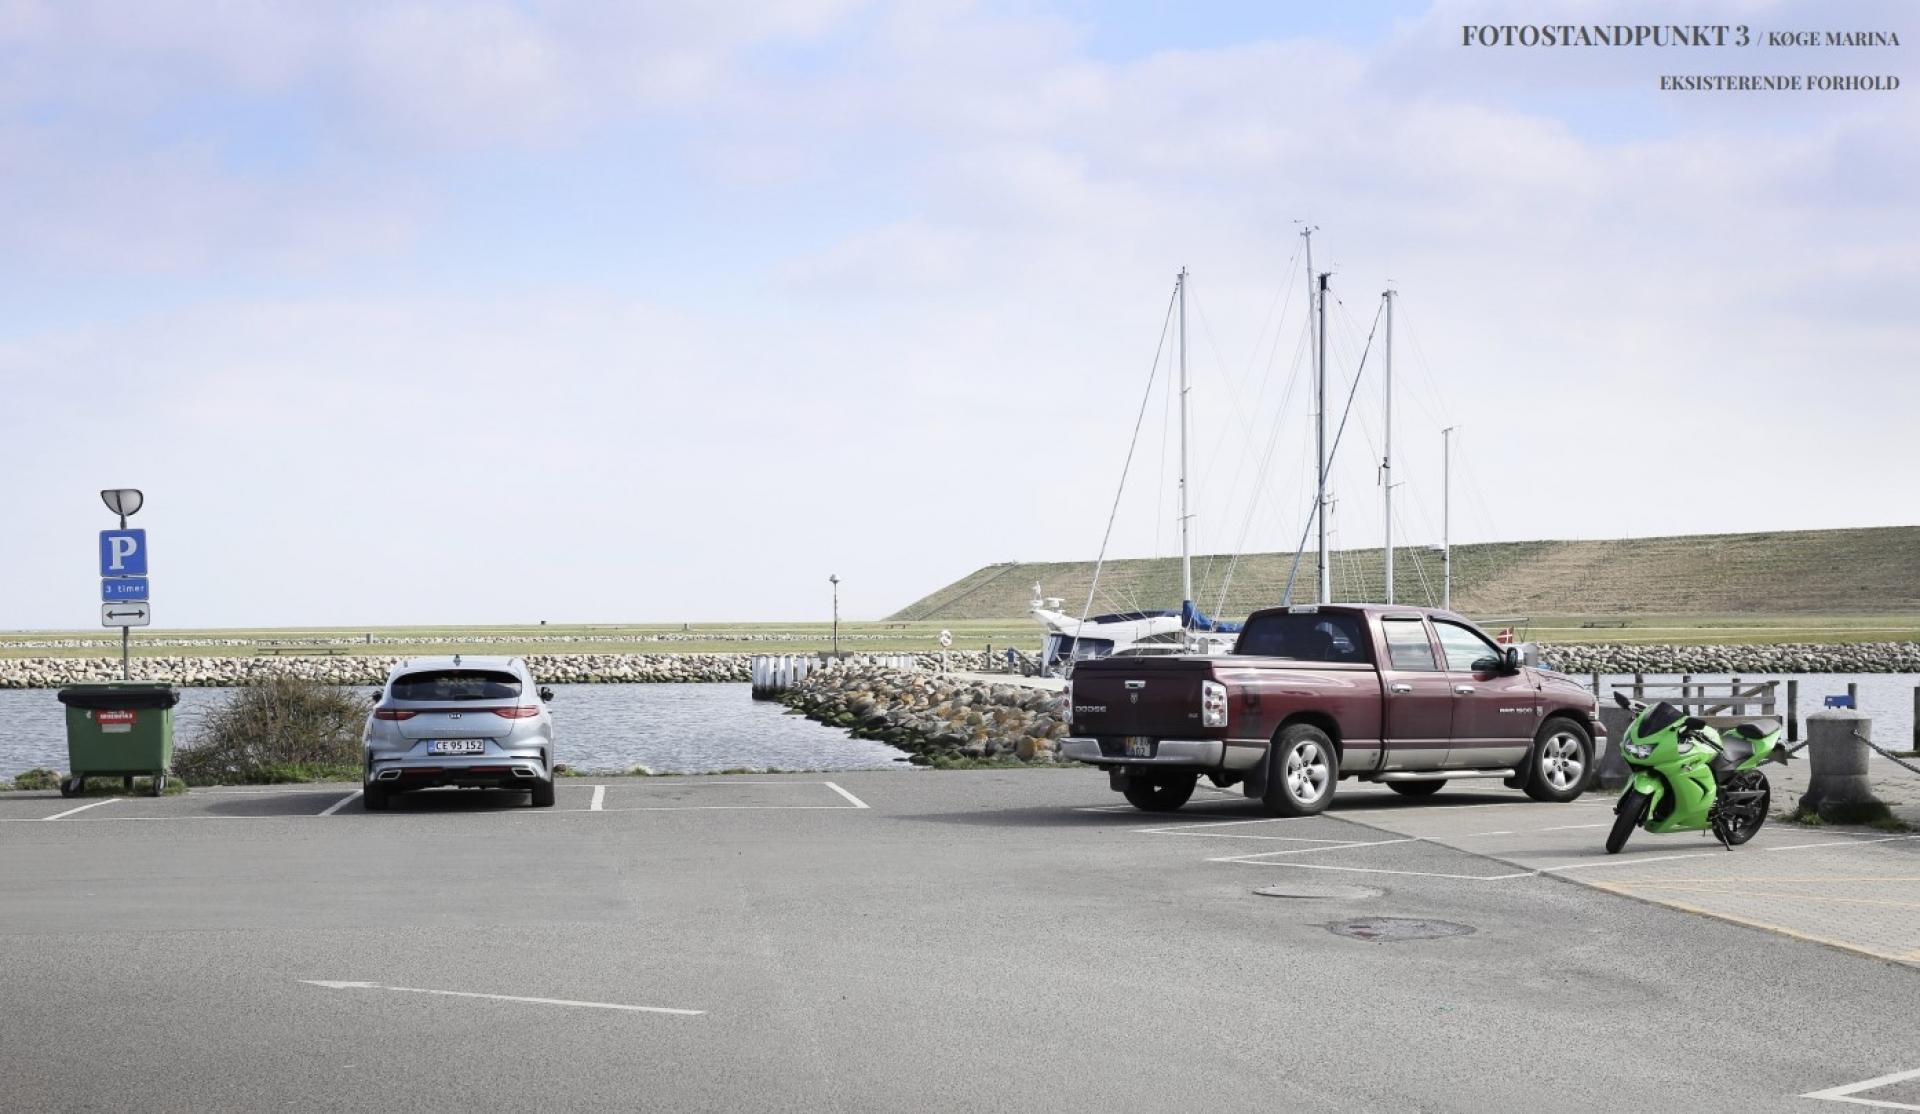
[(857, 802), (343, 802), (82, 808), (1234, 835), (1842, 843), (337, 985), (1849, 1092), (1623, 862), (1378, 870), (599, 799)]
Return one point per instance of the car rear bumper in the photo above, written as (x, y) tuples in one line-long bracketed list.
[(479, 772), (1205, 754)]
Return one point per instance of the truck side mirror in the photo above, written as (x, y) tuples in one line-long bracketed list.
[(1510, 659)]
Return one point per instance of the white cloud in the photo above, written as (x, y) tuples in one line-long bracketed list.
[(949, 377)]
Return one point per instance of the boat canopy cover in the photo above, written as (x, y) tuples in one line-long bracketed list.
[(1192, 619), (1132, 616)]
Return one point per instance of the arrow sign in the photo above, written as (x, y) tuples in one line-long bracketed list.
[(341, 984), (134, 613), (123, 588)]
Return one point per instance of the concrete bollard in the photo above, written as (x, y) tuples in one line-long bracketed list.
[(1611, 772), (1838, 789)]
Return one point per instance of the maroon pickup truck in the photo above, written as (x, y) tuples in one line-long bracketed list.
[(1410, 697)]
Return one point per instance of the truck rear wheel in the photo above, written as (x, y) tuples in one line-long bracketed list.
[(1159, 792), (1302, 770)]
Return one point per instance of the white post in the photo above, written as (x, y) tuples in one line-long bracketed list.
[(1320, 443), (1186, 551), (1386, 459), (1446, 518)]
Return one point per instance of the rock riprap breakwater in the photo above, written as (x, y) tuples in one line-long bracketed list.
[(1856, 657), (933, 716), (342, 669)]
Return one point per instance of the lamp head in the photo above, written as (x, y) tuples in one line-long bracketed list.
[(122, 500)]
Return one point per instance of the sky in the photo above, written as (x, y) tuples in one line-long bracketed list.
[(441, 313)]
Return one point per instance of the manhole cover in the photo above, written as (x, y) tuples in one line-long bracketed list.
[(1329, 892), (1398, 928)]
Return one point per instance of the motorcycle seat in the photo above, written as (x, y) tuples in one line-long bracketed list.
[(1734, 749)]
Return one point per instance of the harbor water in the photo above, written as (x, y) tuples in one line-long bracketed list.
[(668, 728)]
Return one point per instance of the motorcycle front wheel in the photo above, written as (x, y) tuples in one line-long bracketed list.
[(1627, 818)]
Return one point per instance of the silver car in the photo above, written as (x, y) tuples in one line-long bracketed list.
[(476, 722)]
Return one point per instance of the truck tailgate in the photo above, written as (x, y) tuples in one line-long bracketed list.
[(1156, 697)]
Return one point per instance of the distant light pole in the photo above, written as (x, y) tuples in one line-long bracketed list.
[(834, 580), (123, 501)]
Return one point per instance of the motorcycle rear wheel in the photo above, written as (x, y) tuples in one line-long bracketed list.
[(1632, 806), (1745, 821)]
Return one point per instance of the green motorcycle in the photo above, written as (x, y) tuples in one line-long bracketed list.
[(1687, 777)]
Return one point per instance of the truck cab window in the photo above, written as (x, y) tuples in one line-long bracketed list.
[(1468, 651), (1407, 645)]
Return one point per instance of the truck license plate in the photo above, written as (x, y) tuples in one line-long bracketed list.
[(1139, 746), (457, 746)]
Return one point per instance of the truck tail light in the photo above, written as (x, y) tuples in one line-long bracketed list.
[(1213, 704), (1066, 712)]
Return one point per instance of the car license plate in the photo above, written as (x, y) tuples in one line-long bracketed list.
[(457, 746), (1139, 746)]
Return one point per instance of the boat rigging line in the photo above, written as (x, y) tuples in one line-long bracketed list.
[(1153, 373)]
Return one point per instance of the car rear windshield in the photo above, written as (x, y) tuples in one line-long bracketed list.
[(457, 684), (1306, 636)]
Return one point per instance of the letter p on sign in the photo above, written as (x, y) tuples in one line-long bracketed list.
[(123, 553)]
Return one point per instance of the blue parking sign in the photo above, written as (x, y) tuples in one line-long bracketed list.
[(123, 553), (123, 588)]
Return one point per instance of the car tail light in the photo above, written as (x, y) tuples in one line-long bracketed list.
[(521, 711), (393, 713), (1213, 704)]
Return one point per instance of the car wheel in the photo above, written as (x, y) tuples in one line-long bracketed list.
[(1558, 764), (543, 794), (1302, 770), (1416, 788), (1159, 792), (376, 798)]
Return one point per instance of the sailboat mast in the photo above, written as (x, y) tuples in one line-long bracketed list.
[(1320, 442), (1446, 518), (1186, 549), (1386, 458)]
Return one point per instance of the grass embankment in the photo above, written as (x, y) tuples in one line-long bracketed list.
[(1810, 585)]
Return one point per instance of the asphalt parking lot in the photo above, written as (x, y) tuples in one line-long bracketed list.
[(918, 941)]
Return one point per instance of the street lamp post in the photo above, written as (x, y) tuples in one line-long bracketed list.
[(123, 501), (835, 581)]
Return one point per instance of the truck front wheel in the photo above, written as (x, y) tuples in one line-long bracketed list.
[(1302, 769), (1159, 792), (1557, 765)]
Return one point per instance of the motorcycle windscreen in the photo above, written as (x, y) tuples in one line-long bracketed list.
[(1659, 718)]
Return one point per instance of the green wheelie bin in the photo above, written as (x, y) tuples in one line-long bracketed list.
[(119, 729)]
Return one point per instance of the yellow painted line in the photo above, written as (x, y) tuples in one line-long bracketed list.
[(1843, 945), (1796, 897), (1745, 878)]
